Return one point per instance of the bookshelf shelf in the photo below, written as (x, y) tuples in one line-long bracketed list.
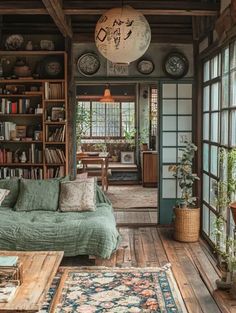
[(18, 104), (55, 143), (21, 141), (21, 164), (21, 115)]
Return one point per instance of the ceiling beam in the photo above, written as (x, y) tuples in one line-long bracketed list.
[(182, 8), (55, 10)]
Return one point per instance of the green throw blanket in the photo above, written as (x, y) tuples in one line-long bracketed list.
[(75, 233)]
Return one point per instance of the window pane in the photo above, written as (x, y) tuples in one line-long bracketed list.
[(113, 120), (225, 91), (185, 91), (214, 127), (184, 136), (169, 91), (169, 188), (128, 116), (224, 127), (169, 155), (225, 61), (233, 89), (233, 128), (214, 160), (206, 71), (215, 97), (205, 157), (214, 67), (233, 55), (206, 126), (206, 100), (98, 119), (212, 226), (205, 222), (213, 193), (169, 139), (206, 188)]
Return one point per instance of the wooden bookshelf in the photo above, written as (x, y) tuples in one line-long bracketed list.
[(50, 125)]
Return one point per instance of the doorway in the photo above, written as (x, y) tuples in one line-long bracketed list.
[(127, 129)]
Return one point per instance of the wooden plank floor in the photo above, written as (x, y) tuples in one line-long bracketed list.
[(192, 265), (136, 217)]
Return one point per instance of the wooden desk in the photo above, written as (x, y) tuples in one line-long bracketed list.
[(102, 160), (39, 269)]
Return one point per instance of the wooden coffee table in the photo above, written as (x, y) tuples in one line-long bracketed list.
[(39, 269)]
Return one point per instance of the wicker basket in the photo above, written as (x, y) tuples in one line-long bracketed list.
[(187, 224)]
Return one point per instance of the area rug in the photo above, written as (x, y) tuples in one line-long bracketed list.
[(128, 197), (116, 290)]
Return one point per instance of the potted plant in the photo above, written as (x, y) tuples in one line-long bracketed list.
[(187, 216)]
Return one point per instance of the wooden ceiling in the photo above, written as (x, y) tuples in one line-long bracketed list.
[(172, 21)]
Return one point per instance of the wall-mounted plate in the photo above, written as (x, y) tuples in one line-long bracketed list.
[(145, 67), (88, 64)]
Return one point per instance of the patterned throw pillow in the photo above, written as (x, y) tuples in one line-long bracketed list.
[(3, 194), (78, 195)]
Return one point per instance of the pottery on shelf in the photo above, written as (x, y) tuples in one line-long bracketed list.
[(21, 69)]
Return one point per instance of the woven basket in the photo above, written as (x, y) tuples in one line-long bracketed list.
[(187, 224)]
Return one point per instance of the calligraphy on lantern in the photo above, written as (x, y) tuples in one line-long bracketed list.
[(120, 30)]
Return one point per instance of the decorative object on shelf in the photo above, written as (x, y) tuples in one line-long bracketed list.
[(29, 46), (14, 42), (127, 157), (116, 69), (122, 35), (23, 158), (51, 67), (20, 131), (47, 45), (21, 69), (175, 65), (88, 64), (145, 67), (58, 114)]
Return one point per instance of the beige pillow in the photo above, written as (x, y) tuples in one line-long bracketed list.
[(78, 195), (3, 194)]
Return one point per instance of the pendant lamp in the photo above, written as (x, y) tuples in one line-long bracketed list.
[(122, 35), (107, 95)]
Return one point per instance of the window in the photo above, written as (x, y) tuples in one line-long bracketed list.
[(108, 119), (219, 129)]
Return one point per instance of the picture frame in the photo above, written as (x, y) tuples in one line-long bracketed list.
[(20, 131), (58, 114), (127, 157)]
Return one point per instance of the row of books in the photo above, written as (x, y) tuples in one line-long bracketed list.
[(54, 91), (33, 155), (6, 128), (14, 107), (54, 155), (56, 134), (56, 172), (29, 173)]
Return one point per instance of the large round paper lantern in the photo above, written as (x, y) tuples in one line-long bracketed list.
[(122, 35)]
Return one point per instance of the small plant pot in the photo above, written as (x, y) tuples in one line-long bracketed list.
[(187, 224)]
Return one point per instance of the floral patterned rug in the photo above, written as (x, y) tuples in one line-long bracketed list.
[(119, 290)]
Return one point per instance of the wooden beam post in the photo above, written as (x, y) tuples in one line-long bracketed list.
[(55, 10)]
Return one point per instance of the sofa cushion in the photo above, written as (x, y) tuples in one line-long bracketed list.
[(37, 195), (11, 184), (78, 195)]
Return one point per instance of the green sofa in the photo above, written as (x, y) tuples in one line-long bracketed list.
[(75, 233)]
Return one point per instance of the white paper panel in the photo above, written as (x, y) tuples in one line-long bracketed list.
[(185, 91), (169, 188), (169, 155), (169, 139), (169, 107), (166, 173), (169, 123), (184, 136), (205, 220), (185, 123), (185, 107), (169, 91)]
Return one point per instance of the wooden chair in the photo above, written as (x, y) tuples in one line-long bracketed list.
[(101, 171)]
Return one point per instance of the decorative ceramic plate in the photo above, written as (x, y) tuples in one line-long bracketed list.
[(88, 64), (175, 65), (145, 67), (51, 67), (14, 42)]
